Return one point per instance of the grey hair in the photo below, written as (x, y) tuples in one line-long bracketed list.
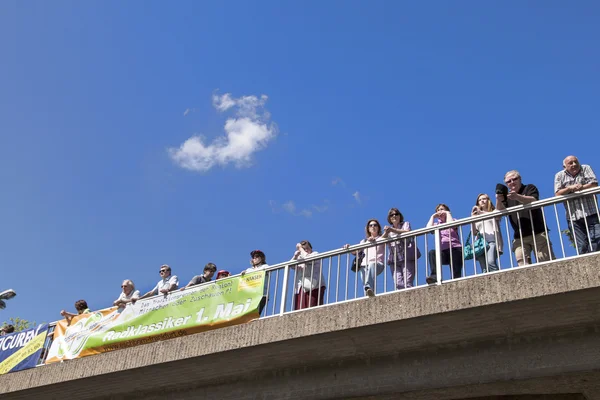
[(514, 171)]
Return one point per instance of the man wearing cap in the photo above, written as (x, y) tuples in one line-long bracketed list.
[(167, 284), (223, 274), (582, 213), (209, 271)]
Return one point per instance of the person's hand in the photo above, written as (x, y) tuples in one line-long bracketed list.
[(475, 211), (371, 239), (297, 254), (576, 187), (387, 229), (63, 313), (243, 272), (298, 246), (435, 215), (346, 246), (164, 291), (514, 196), (182, 289)]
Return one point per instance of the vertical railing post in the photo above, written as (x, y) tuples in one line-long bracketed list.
[(284, 287), (438, 256)]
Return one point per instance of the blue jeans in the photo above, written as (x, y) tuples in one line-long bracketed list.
[(489, 256), (581, 233), (367, 274)]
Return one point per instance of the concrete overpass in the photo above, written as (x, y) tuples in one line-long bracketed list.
[(525, 334)]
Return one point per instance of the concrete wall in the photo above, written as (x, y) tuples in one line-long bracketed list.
[(527, 331)]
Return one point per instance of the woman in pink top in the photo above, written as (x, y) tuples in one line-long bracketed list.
[(372, 263), (450, 245)]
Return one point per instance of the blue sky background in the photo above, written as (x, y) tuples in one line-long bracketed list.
[(406, 104)]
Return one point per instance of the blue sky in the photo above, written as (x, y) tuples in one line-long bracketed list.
[(369, 105)]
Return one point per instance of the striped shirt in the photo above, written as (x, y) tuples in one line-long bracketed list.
[(581, 207)]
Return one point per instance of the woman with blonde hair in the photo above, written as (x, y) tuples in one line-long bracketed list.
[(490, 231)]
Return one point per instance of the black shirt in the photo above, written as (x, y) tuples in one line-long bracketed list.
[(524, 216)]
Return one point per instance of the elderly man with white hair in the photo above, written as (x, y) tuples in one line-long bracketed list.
[(582, 213), (128, 294)]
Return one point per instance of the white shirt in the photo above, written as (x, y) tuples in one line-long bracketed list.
[(309, 275), (166, 283)]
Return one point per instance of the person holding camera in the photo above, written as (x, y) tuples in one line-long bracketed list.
[(450, 245), (582, 213), (490, 231), (310, 282), (525, 239)]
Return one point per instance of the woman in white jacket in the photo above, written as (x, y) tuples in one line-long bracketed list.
[(310, 282)]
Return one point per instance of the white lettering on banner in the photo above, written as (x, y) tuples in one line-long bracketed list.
[(167, 323), (229, 310), (19, 340)]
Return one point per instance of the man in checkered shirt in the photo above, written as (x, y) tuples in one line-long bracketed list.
[(582, 213)]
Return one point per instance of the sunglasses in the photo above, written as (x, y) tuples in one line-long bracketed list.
[(394, 215), (163, 270), (372, 225), (511, 180), (124, 286)]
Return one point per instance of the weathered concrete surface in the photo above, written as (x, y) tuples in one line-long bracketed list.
[(528, 331)]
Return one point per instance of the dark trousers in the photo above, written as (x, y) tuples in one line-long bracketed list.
[(456, 263), (581, 233), (312, 298)]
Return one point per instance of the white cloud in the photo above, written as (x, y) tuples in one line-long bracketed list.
[(357, 197), (246, 133), (337, 181), (186, 112), (290, 207)]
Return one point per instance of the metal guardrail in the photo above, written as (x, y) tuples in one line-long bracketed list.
[(327, 278)]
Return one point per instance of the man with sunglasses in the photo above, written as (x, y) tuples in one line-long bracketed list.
[(530, 232), (167, 284)]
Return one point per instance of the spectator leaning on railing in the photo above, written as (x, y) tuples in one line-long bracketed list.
[(582, 213), (82, 308), (402, 254), (6, 329), (128, 294), (209, 271), (533, 240), (167, 284), (490, 231), (372, 262), (310, 282), (450, 245)]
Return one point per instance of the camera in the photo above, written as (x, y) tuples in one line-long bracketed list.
[(501, 189)]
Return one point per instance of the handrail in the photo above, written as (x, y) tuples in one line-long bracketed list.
[(413, 233), (446, 225)]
